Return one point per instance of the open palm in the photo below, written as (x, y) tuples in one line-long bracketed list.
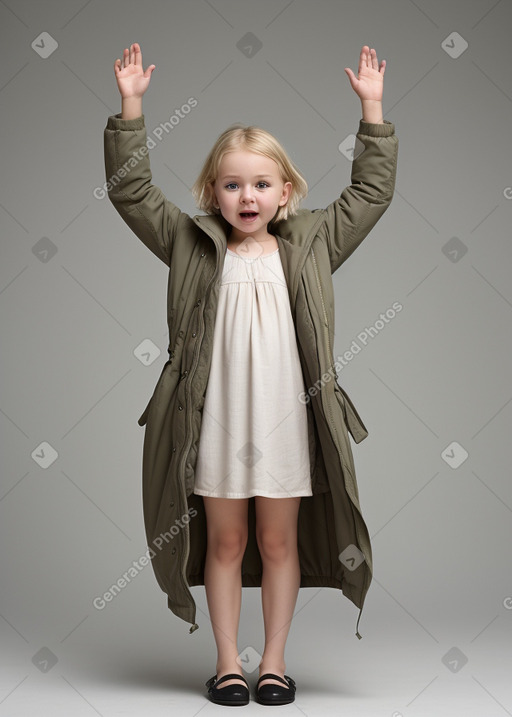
[(131, 78), (370, 83)]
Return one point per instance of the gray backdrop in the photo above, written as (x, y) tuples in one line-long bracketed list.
[(79, 293)]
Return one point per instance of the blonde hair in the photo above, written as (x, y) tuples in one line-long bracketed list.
[(254, 139)]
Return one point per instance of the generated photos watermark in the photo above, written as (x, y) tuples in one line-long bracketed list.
[(362, 340), (101, 601), (164, 128)]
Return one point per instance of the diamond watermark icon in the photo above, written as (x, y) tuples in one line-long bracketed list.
[(454, 659), (249, 454), (249, 44), (454, 249), (351, 147), (44, 249), (351, 557), (249, 659), (454, 455), (44, 659), (44, 455), (454, 45), (147, 352), (44, 45)]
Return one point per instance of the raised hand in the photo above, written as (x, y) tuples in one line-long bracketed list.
[(370, 83), (131, 78)]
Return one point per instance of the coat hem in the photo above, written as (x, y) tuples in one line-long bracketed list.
[(309, 581), (189, 614)]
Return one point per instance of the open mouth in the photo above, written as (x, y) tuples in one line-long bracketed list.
[(248, 214)]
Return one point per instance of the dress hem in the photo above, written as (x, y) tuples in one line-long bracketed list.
[(263, 494)]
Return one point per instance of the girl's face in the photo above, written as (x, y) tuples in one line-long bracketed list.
[(248, 182)]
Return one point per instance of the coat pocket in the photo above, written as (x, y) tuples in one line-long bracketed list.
[(355, 425)]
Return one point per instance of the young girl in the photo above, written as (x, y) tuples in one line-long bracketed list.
[(263, 329)]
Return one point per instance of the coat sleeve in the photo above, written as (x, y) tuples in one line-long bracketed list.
[(142, 205), (350, 218)]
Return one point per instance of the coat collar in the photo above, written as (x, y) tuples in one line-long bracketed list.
[(217, 227), (294, 236)]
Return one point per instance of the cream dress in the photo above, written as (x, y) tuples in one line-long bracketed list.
[(254, 438)]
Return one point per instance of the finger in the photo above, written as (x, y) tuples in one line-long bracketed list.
[(125, 58), (352, 77), (137, 54), (363, 56), (117, 64)]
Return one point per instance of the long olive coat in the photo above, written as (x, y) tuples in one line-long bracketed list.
[(333, 540)]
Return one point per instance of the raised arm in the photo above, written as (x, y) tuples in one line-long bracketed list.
[(141, 204), (349, 219)]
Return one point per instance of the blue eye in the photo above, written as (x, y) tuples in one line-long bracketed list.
[(234, 184)]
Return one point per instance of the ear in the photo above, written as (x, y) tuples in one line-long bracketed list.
[(285, 195)]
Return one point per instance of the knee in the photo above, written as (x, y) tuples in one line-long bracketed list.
[(229, 544), (274, 545)]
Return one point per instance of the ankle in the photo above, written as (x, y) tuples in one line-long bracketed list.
[(227, 664), (269, 664)]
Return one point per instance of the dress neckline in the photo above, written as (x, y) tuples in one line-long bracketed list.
[(261, 256)]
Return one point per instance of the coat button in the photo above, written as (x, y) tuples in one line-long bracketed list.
[(174, 450), (171, 505), (180, 408), (173, 551), (181, 333), (194, 335), (202, 254), (198, 302)]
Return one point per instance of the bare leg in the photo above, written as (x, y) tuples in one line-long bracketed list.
[(226, 521), (276, 533)]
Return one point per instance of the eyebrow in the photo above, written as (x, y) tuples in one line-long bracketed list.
[(237, 176)]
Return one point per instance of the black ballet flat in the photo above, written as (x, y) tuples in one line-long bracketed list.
[(271, 694), (234, 695)]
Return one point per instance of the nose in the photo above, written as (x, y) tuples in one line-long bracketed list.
[(246, 194)]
